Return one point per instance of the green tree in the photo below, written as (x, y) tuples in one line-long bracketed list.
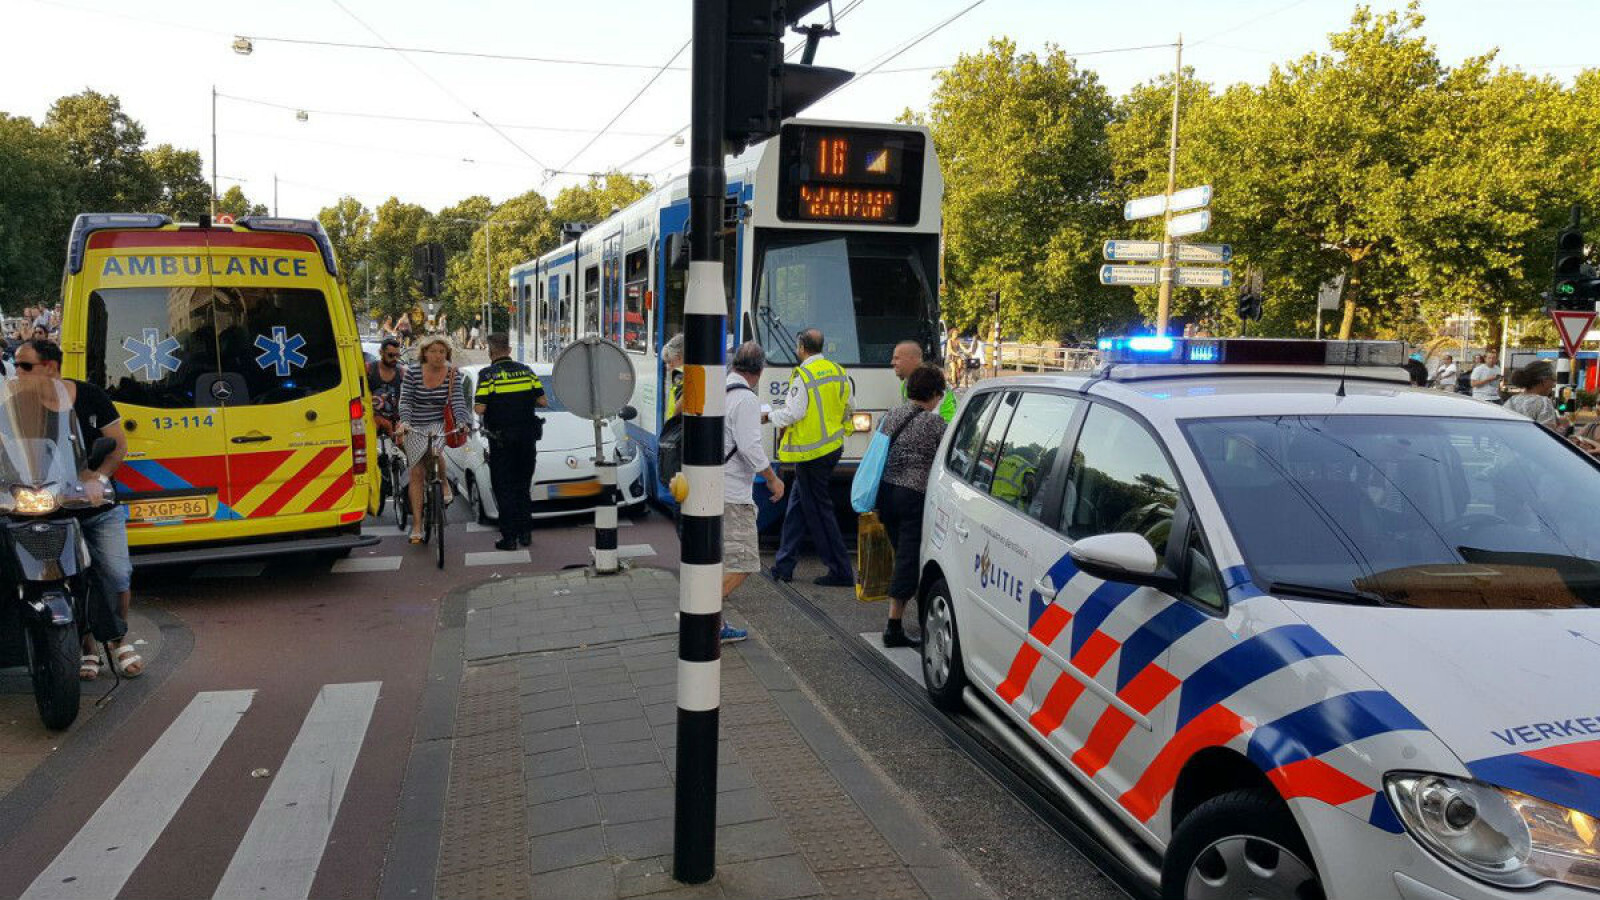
[(397, 229), (180, 179), (38, 190), (1027, 167), (349, 226), (527, 230), (107, 146), (597, 198), (234, 202)]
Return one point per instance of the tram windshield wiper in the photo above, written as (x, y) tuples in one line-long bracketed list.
[(777, 331)]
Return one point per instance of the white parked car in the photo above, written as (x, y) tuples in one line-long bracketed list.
[(1276, 623), (563, 478)]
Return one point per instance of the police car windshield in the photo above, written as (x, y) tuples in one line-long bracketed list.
[(1431, 512)]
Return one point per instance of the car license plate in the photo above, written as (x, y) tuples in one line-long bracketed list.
[(169, 508), (575, 489)]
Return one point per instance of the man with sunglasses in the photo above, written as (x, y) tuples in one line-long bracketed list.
[(385, 375), (105, 531)]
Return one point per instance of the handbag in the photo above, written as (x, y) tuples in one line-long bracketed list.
[(869, 473), (874, 559), (454, 438)]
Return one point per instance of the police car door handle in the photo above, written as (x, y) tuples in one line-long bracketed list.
[(252, 438), (963, 532), (1044, 587)]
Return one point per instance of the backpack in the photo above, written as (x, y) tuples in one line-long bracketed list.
[(669, 444)]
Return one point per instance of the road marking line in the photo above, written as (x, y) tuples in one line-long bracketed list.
[(905, 659), (478, 528), (231, 570), (280, 853), (626, 523), (629, 551), (368, 564), (382, 530), (98, 860), (498, 557)]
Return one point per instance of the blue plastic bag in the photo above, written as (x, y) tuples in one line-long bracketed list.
[(869, 474)]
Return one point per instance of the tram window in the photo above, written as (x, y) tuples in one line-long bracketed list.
[(674, 288), (636, 280), (591, 300), (865, 292)]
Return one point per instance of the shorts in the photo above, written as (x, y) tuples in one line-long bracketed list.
[(740, 551)]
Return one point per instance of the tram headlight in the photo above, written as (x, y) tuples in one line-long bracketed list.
[(861, 422)]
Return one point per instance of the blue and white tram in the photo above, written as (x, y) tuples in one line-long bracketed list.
[(832, 225)]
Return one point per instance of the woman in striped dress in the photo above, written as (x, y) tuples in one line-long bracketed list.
[(423, 395)]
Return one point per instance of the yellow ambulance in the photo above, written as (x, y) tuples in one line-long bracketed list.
[(232, 353)]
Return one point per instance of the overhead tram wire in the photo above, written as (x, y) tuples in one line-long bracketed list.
[(433, 51), (421, 119), (1071, 53), (441, 86), (1248, 22), (625, 107)]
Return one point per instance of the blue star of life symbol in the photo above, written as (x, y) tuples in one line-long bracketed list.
[(281, 351), (153, 356)]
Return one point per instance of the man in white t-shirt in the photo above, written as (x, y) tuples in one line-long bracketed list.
[(1444, 378), (1486, 378)]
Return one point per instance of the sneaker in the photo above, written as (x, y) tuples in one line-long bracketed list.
[(897, 637), (831, 580), (732, 635), (506, 544)]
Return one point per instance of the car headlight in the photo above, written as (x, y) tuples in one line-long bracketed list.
[(34, 501), (860, 422), (1498, 835)]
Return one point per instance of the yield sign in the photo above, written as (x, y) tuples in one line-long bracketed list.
[(1572, 325)]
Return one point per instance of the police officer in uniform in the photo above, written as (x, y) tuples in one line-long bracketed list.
[(815, 416), (507, 396)]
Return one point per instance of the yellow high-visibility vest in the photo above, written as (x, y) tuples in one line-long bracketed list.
[(827, 401)]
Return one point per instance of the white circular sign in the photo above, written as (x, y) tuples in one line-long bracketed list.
[(593, 378)]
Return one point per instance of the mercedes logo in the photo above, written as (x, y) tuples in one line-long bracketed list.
[(221, 390)]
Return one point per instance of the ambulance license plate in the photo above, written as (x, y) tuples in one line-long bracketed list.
[(169, 508)]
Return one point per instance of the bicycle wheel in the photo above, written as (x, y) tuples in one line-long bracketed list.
[(436, 507), (399, 481)]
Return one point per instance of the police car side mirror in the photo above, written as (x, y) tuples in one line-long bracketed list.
[(1122, 557)]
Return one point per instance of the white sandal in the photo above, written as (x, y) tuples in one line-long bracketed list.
[(89, 667), (124, 658)]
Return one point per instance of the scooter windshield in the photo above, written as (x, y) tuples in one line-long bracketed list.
[(39, 442)]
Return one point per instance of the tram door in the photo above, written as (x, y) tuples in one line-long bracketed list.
[(611, 288)]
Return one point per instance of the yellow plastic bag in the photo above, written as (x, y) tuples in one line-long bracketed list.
[(874, 559)]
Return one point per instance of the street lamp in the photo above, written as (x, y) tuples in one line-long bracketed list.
[(242, 45)]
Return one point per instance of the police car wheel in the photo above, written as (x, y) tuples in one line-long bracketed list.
[(1240, 844), (942, 672), (475, 501)]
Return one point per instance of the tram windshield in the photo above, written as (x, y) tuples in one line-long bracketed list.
[(866, 292)]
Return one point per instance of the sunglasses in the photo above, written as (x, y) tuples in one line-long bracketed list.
[(26, 366)]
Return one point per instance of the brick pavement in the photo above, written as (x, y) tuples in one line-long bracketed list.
[(565, 730)]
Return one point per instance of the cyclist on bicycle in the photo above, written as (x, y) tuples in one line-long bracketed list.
[(430, 393), (385, 375)]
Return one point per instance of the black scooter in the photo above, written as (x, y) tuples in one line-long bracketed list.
[(44, 559)]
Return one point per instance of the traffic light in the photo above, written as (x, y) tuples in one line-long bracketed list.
[(761, 89), (1567, 282), (428, 266), (1250, 306)]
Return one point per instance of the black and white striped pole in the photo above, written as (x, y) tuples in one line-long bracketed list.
[(605, 512), (694, 832)]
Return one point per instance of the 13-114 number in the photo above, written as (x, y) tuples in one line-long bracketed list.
[(167, 423)]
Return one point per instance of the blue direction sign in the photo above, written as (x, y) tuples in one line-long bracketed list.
[(1133, 251), (1130, 274), (1205, 253)]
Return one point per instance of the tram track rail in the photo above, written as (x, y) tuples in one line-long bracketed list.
[(978, 735)]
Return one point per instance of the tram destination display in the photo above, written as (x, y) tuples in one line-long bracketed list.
[(843, 175)]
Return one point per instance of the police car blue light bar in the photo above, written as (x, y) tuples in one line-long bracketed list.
[(88, 223), (1152, 350)]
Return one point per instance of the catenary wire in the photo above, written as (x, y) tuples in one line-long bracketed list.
[(625, 107), (421, 119), (434, 51)]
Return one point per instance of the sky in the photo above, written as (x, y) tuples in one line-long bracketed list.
[(164, 58)]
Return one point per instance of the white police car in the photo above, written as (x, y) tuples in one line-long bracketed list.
[(1290, 628)]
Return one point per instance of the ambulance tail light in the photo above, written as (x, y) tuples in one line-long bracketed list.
[(311, 228), (358, 437), (88, 223)]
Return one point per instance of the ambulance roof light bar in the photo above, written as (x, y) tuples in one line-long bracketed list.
[(1150, 350), (309, 227), (88, 223)]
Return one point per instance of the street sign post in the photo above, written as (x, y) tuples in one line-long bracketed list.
[(594, 379), (1156, 204), (1144, 207), (1130, 275), (1188, 276), (1205, 253), (1571, 326), (1133, 251), (1189, 223), (1189, 198)]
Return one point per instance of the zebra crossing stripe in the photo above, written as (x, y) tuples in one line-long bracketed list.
[(105, 851), (283, 847)]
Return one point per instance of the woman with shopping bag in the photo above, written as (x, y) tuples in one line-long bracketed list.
[(915, 429)]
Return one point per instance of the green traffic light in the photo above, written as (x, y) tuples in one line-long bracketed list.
[(1569, 289)]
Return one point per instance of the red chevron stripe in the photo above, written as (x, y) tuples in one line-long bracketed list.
[(1580, 757), (1144, 693), (335, 492), (281, 497), (131, 479), (1049, 625), (1316, 779), (1212, 728), (1089, 659), (246, 471)]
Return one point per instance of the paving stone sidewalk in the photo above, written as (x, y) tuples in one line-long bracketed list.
[(562, 759)]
